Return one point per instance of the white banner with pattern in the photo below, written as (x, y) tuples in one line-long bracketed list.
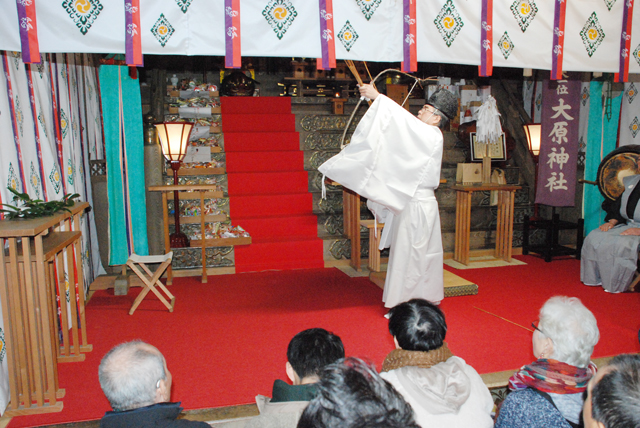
[(371, 30)]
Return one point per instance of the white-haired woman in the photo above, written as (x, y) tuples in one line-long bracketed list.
[(549, 391)]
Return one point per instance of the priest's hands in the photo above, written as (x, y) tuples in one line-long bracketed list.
[(631, 232), (368, 91)]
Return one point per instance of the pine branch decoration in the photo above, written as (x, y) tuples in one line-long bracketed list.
[(34, 208)]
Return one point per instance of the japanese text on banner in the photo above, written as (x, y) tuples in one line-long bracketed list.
[(557, 164)]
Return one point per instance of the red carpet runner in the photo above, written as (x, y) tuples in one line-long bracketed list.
[(268, 186)]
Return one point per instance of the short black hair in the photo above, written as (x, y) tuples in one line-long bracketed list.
[(311, 350), (353, 395), (417, 325), (615, 399)]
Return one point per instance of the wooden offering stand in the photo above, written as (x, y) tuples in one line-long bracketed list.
[(37, 249), (504, 232), (198, 191)]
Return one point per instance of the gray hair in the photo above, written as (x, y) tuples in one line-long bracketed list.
[(572, 327), (615, 399), (129, 375), (444, 120)]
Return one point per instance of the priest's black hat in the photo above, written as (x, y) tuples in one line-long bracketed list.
[(444, 101)]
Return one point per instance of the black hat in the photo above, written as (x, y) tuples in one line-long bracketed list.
[(444, 101)]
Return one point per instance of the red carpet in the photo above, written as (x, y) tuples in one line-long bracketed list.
[(226, 341), (268, 186)]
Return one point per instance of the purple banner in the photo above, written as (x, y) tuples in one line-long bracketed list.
[(129, 29), (28, 31), (232, 34), (558, 160), (324, 41)]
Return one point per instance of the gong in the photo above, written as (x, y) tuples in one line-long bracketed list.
[(621, 162)]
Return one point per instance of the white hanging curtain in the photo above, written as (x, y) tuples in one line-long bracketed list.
[(46, 142), (449, 31)]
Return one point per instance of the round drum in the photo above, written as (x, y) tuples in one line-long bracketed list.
[(618, 164)]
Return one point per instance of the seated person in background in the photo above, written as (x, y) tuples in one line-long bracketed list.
[(308, 353), (352, 395), (442, 389), (610, 253), (549, 391), (613, 398), (135, 379)]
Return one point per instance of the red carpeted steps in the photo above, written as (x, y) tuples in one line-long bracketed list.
[(268, 186)]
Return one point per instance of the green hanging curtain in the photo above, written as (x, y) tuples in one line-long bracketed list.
[(124, 146), (604, 113)]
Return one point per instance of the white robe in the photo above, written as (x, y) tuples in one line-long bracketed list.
[(394, 161)]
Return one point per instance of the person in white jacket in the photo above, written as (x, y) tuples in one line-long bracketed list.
[(441, 388), (394, 161)]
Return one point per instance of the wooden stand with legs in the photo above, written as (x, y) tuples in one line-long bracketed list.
[(351, 222), (199, 192), (504, 233), (29, 308)]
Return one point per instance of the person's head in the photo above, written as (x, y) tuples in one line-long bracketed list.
[(613, 395), (441, 107), (134, 374), (309, 352), (352, 394), (417, 325), (567, 332)]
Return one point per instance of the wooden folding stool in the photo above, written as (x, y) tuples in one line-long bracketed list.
[(151, 279)]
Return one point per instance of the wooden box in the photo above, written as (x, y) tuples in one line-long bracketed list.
[(469, 173)]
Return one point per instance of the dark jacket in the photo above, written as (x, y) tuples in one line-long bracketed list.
[(155, 416), (282, 391)]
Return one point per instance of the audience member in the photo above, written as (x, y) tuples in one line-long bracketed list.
[(353, 395), (613, 397), (135, 379), (308, 353), (549, 391), (441, 388)]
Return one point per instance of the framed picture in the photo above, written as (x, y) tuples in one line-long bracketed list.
[(497, 150)]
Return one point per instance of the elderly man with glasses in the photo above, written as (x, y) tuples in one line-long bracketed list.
[(394, 161)]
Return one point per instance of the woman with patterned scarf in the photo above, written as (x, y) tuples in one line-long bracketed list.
[(441, 388), (549, 391)]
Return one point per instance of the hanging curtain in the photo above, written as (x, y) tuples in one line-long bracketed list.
[(584, 121), (124, 143), (45, 141), (630, 115), (604, 113)]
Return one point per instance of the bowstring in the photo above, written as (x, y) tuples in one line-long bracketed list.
[(418, 81)]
